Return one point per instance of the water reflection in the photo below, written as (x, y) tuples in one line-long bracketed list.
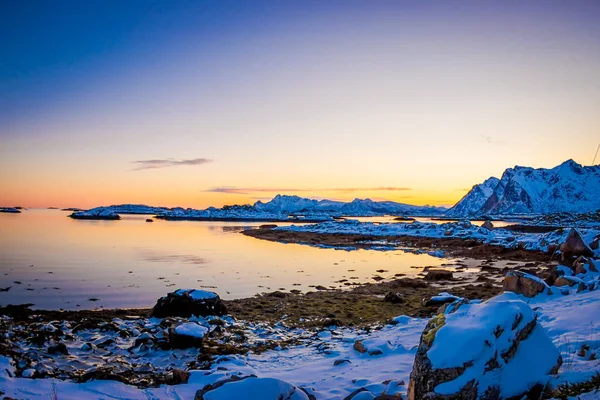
[(155, 256), (62, 263)]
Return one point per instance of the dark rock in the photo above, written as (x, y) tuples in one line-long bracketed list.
[(340, 362), (185, 303), (186, 335), (60, 348), (268, 226), (574, 246), (358, 346), (18, 312), (149, 220), (438, 275), (394, 298), (488, 225), (522, 283), (408, 283)]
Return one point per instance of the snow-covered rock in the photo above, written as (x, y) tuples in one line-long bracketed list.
[(526, 284), (490, 350), (251, 388), (188, 302), (185, 335), (569, 187), (574, 246)]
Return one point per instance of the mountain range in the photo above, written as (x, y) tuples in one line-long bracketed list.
[(568, 187)]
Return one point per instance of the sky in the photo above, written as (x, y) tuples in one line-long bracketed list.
[(200, 103)]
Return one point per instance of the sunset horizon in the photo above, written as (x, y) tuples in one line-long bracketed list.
[(214, 103)]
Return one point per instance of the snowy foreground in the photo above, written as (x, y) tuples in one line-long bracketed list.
[(332, 363)]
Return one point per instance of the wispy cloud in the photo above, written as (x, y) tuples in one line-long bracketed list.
[(238, 190), (168, 162)]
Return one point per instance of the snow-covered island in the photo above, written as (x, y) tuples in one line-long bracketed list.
[(284, 208), (10, 210), (281, 208)]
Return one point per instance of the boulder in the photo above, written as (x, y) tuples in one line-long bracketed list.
[(188, 334), (489, 350), (251, 388), (488, 225), (365, 394), (562, 281), (394, 298), (440, 299), (188, 302), (574, 246), (438, 275), (267, 226), (525, 284)]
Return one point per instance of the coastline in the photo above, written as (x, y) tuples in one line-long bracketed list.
[(453, 247)]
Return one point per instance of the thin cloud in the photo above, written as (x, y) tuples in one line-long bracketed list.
[(168, 162), (237, 190)]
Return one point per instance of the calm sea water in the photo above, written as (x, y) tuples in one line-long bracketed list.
[(57, 262)]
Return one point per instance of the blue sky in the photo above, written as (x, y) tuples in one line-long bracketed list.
[(322, 95)]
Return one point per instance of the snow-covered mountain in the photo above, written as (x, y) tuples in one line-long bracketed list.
[(475, 199), (294, 204), (568, 187), (357, 207)]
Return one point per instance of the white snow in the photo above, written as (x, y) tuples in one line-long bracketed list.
[(191, 329), (197, 294), (257, 388)]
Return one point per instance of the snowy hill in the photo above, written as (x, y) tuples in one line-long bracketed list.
[(357, 207), (568, 187), (287, 208)]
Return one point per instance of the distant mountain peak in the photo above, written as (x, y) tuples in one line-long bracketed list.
[(568, 187)]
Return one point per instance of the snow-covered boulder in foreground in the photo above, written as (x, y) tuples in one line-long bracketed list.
[(251, 388), (490, 350), (188, 302)]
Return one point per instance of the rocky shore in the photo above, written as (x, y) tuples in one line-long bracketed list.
[(450, 332)]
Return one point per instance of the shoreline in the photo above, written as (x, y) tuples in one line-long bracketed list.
[(453, 247), (357, 304)]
